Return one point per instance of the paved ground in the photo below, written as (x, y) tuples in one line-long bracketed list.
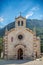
[(21, 62)]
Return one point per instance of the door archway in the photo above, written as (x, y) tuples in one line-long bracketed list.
[(20, 54), (36, 54)]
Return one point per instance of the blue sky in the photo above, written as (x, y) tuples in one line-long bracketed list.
[(9, 9)]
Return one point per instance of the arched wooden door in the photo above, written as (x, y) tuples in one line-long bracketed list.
[(36, 54), (20, 54)]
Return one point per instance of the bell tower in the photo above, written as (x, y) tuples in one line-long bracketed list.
[(20, 21)]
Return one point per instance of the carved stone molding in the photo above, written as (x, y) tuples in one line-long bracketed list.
[(20, 44)]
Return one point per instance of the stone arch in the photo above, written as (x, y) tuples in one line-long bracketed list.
[(19, 47)]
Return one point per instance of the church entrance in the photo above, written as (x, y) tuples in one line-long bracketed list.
[(20, 54)]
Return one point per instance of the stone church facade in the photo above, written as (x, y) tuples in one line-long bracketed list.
[(21, 42)]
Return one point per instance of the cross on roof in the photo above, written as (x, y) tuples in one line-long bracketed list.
[(20, 13)]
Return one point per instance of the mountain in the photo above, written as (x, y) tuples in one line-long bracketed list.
[(35, 22), (30, 23)]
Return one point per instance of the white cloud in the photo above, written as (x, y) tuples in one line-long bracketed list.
[(29, 14), (1, 19), (41, 15), (35, 8)]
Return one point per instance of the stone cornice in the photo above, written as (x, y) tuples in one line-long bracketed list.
[(29, 30), (25, 29), (11, 30), (20, 17)]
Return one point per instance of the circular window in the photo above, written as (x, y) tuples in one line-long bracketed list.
[(20, 37)]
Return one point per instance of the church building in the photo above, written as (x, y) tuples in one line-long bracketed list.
[(21, 42)]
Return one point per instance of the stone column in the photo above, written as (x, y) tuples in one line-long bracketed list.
[(34, 46), (5, 48)]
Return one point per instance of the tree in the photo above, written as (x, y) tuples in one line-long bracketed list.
[(42, 47), (1, 45)]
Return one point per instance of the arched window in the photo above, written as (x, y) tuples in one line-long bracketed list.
[(21, 23), (18, 23), (11, 39)]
